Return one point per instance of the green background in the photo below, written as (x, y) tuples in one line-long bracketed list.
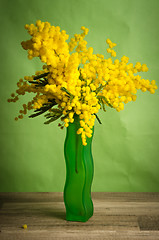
[(125, 146)]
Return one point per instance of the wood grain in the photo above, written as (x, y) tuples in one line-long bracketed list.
[(118, 216)]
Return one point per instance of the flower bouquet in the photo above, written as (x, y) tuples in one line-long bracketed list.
[(73, 85)]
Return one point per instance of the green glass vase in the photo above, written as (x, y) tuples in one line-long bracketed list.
[(79, 175)]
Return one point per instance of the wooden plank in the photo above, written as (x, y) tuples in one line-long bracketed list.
[(126, 196), (58, 196), (79, 235), (149, 223), (116, 216), (102, 223), (31, 197), (53, 214), (127, 208), (100, 208)]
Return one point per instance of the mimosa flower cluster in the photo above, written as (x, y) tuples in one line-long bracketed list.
[(74, 80)]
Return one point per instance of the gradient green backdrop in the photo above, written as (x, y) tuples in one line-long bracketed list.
[(125, 146)]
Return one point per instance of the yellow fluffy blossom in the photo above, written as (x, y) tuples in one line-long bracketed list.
[(74, 80), (25, 226)]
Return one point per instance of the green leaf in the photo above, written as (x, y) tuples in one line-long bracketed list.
[(52, 118), (102, 98), (40, 83), (43, 109), (103, 105), (56, 110), (70, 95), (41, 76), (54, 113), (99, 89)]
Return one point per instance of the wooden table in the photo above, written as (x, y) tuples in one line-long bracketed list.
[(121, 216)]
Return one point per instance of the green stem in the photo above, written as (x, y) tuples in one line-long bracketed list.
[(98, 118)]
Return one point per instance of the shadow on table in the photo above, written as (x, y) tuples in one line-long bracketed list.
[(59, 215), (54, 213)]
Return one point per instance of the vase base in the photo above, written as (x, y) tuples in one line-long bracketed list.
[(75, 218)]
